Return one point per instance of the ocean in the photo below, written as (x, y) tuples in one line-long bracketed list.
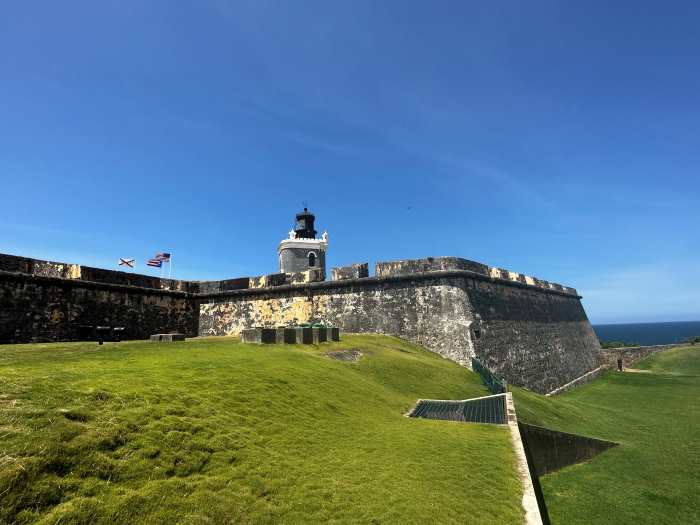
[(648, 333)]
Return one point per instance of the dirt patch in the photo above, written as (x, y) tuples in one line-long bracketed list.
[(352, 354)]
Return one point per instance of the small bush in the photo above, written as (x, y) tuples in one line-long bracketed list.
[(616, 344)]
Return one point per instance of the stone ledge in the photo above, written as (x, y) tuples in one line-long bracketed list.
[(79, 283), (585, 378), (365, 281)]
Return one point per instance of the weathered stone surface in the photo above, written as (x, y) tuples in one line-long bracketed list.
[(319, 334), (334, 334), (259, 335), (529, 331), (265, 281), (37, 308), (537, 338), (429, 264), (167, 338), (309, 276), (632, 354), (208, 287), (290, 336), (304, 336), (354, 271), (251, 335)]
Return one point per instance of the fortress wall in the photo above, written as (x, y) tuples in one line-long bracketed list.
[(531, 332), (532, 338), (42, 301), (431, 313), (429, 264), (43, 310), (39, 268), (632, 354), (535, 336)]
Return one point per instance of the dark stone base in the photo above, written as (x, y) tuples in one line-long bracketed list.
[(304, 336), (167, 338), (319, 335), (296, 335)]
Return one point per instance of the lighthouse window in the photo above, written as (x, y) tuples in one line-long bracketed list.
[(312, 259)]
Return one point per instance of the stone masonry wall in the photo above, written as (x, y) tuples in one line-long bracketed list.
[(632, 354), (532, 332), (534, 337), (39, 308), (431, 313)]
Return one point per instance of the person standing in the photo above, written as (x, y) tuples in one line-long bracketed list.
[(619, 363)]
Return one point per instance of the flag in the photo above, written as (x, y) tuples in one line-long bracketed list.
[(162, 257), (155, 262), (126, 262)]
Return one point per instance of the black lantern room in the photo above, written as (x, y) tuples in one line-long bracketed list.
[(304, 227)]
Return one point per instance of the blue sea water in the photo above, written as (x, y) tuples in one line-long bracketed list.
[(648, 333)]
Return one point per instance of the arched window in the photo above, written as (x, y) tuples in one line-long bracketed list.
[(312, 259)]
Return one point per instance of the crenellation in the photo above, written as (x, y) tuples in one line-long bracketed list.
[(353, 271)]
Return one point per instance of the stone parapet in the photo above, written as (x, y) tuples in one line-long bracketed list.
[(429, 264), (632, 354), (432, 264), (353, 271)]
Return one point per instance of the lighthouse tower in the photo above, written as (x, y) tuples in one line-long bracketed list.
[(302, 250)]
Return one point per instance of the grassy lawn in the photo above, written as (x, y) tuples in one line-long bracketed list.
[(654, 476), (215, 431)]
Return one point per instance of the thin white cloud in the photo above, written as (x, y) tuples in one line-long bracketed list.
[(661, 292)]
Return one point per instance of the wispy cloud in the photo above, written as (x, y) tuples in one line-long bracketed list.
[(662, 292)]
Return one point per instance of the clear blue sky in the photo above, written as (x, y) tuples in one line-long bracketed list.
[(558, 140)]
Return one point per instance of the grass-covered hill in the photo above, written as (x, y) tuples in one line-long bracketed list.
[(215, 431), (653, 477)]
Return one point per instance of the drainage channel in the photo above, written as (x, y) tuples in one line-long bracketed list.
[(489, 409), (500, 410)]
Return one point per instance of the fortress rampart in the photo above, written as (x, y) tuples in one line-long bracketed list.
[(532, 332)]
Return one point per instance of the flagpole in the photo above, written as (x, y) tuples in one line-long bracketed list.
[(170, 265)]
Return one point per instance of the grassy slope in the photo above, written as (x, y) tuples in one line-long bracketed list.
[(214, 431), (654, 477)]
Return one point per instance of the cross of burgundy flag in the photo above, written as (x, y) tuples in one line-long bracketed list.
[(126, 262)]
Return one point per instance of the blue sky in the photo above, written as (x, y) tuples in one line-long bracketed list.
[(557, 140)]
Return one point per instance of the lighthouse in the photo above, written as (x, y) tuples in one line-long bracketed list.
[(302, 250)]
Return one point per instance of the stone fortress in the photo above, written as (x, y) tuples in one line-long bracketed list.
[(532, 332)]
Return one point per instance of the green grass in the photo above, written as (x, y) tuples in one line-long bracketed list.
[(215, 431), (654, 476)]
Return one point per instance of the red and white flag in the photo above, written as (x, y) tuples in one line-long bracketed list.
[(126, 262)]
